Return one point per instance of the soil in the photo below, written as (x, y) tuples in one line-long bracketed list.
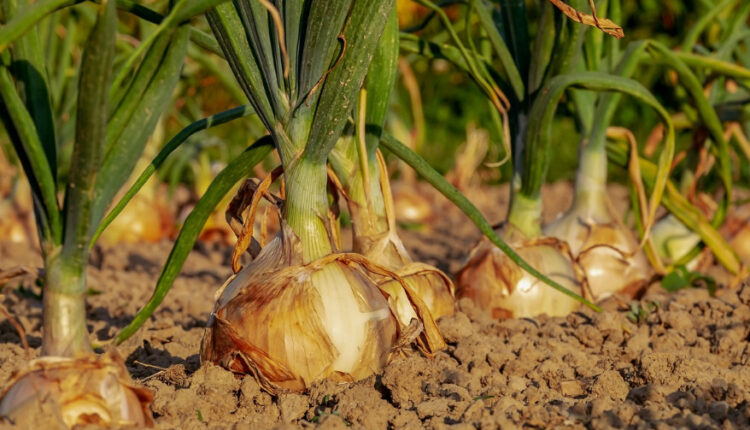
[(666, 361)]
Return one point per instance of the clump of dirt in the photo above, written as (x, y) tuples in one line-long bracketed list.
[(667, 360)]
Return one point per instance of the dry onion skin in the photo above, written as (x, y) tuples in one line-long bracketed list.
[(290, 324), (56, 392), (605, 249), (429, 283), (432, 285), (495, 284)]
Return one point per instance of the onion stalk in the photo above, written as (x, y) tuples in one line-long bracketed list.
[(302, 310)]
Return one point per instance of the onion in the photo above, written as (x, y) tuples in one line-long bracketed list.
[(376, 237), (290, 324), (429, 283), (16, 208), (411, 206), (605, 249), (83, 391), (497, 285), (144, 219)]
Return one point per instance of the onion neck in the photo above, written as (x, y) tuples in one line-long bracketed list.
[(367, 211), (306, 207), (590, 198), (64, 332), (525, 214)]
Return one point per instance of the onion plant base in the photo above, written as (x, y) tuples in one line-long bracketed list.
[(375, 236), (71, 392), (500, 287)]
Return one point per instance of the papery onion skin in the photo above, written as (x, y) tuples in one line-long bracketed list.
[(603, 248), (290, 325), (429, 283), (81, 391), (498, 286)]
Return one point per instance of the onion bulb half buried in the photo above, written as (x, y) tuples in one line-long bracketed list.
[(57, 392), (499, 286), (290, 324)]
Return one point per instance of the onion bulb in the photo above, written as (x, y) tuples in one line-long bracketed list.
[(89, 390), (290, 324), (605, 249), (16, 208), (428, 282), (497, 285), (410, 205), (145, 219)]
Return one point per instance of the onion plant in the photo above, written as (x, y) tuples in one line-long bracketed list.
[(364, 179), (536, 75), (712, 65), (302, 310), (672, 238), (605, 248), (113, 122)]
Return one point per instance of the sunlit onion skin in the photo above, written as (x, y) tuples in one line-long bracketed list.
[(605, 249), (497, 285), (290, 324), (90, 390), (429, 283)]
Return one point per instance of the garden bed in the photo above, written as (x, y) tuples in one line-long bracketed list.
[(674, 360)]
